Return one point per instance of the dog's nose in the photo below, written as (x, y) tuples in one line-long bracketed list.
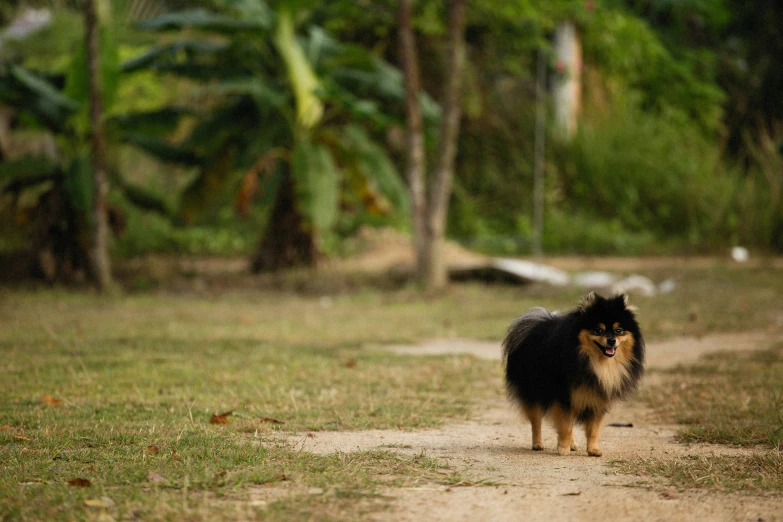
[(611, 341)]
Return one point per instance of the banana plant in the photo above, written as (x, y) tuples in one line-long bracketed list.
[(297, 113), (54, 189)]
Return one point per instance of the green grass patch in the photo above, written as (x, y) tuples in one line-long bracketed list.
[(757, 473), (733, 399), (121, 392)]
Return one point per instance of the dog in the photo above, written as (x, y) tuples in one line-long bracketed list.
[(573, 366)]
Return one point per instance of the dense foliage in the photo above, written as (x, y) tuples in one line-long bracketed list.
[(679, 146)]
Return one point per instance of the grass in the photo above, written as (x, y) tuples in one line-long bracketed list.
[(757, 473), (734, 399), (138, 378), (120, 391), (731, 399)]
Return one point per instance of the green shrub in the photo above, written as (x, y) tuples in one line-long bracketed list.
[(651, 175), (578, 232)]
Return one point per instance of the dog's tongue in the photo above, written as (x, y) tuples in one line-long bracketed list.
[(610, 351)]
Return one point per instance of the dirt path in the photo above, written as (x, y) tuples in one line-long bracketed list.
[(542, 486)]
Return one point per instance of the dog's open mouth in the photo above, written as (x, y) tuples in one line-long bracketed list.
[(608, 351)]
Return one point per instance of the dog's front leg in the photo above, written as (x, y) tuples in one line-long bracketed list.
[(592, 431)]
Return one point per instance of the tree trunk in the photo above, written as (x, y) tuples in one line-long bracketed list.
[(416, 160), (6, 114), (98, 253), (440, 190), (287, 242)]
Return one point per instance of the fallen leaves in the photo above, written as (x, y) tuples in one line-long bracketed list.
[(51, 401), (350, 363), (220, 418), (79, 482), (7, 427), (270, 420), (152, 449)]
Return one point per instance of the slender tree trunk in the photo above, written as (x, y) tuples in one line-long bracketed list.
[(416, 161), (5, 132), (538, 162), (440, 190), (98, 253)]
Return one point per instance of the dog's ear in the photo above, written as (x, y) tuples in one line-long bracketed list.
[(587, 302), (628, 306)]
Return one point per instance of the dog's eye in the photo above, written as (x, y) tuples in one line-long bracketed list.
[(598, 331), (618, 331)]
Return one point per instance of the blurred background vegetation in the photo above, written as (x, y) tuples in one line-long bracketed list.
[(229, 123)]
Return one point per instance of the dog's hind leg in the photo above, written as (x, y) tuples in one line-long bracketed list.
[(564, 424), (592, 431), (535, 415)]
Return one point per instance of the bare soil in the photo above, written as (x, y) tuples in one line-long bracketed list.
[(509, 481)]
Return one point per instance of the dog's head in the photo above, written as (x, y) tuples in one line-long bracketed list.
[(607, 326)]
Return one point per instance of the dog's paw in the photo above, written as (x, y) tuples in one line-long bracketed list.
[(594, 452), (538, 447), (564, 452), (574, 447)]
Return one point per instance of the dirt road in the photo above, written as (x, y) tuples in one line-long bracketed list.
[(532, 486)]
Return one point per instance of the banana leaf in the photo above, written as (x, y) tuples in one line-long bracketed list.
[(109, 56), (145, 199), (305, 83), (236, 121), (157, 123), (207, 187), (206, 21), (43, 89), (78, 184), (162, 54), (163, 150), (373, 163), (32, 94), (258, 88), (25, 171), (317, 182)]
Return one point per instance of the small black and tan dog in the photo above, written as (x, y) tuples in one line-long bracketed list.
[(573, 366)]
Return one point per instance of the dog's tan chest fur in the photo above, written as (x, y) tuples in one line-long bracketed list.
[(583, 398), (612, 373)]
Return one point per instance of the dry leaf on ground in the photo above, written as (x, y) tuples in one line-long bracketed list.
[(270, 420), (79, 482), (51, 401), (220, 418)]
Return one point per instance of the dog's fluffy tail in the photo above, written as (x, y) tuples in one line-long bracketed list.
[(521, 327)]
